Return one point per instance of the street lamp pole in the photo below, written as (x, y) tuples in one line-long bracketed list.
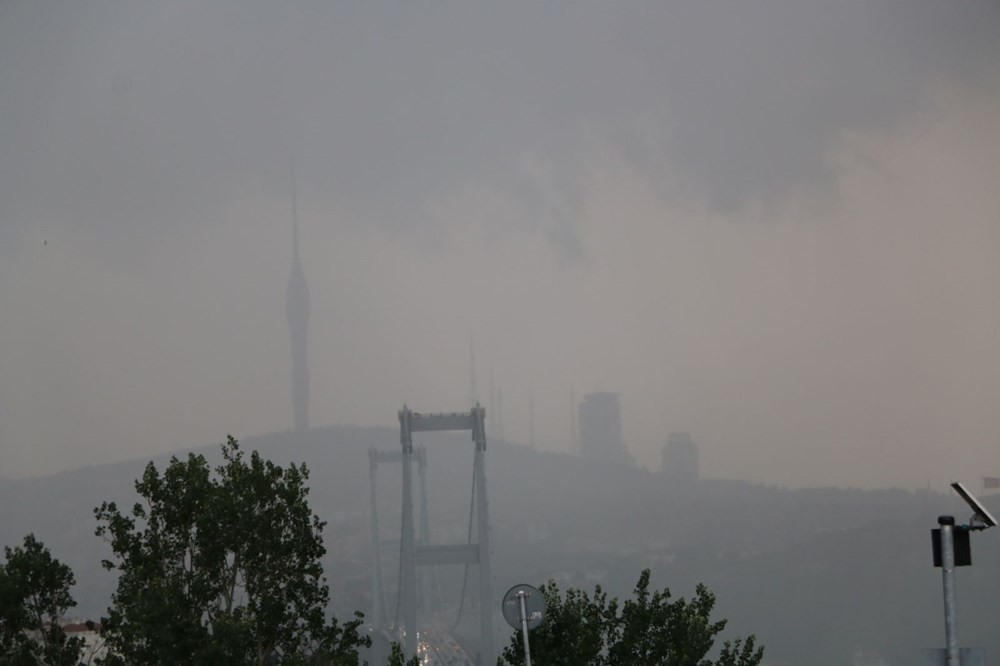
[(521, 594), (947, 524)]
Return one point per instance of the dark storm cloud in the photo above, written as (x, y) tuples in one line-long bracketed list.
[(163, 112)]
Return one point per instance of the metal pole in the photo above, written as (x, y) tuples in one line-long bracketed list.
[(947, 524), (521, 594)]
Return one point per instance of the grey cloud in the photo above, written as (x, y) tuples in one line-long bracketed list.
[(164, 113)]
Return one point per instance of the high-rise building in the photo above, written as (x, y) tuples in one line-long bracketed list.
[(600, 429), (680, 458), (297, 305)]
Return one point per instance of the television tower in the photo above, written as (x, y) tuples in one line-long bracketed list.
[(297, 304)]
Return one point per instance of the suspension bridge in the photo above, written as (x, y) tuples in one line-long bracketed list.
[(416, 616)]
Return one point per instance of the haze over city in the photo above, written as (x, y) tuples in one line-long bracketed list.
[(775, 225)]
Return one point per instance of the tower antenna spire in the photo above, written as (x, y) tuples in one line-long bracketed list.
[(295, 214), (297, 304), (493, 405), (473, 393)]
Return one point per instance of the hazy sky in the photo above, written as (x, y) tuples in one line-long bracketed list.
[(773, 224)]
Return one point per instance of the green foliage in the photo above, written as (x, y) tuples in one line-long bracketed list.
[(221, 569), (397, 658), (34, 594), (649, 629), (574, 630), (740, 653)]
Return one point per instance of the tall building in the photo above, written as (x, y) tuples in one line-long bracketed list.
[(600, 429), (680, 458), (297, 304)]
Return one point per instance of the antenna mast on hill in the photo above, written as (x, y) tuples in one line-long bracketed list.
[(492, 415), (473, 393), (531, 418), (574, 436)]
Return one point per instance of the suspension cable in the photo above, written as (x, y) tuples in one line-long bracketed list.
[(399, 590), (465, 576)]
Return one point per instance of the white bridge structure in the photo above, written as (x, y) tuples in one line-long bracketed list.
[(417, 582)]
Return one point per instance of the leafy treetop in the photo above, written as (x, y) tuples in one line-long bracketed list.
[(34, 595), (649, 629), (221, 569)]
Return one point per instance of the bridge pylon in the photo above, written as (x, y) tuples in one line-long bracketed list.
[(379, 617), (430, 555)]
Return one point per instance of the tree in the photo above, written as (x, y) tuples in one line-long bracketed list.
[(573, 632), (34, 595), (221, 569), (397, 658), (647, 630)]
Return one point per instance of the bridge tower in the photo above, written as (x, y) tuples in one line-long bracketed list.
[(380, 613), (430, 555)]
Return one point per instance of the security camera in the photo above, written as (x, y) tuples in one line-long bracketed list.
[(982, 514)]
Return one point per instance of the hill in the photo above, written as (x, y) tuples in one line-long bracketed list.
[(822, 576)]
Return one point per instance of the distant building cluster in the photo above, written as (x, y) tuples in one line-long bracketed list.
[(680, 458), (94, 649), (600, 438), (601, 429)]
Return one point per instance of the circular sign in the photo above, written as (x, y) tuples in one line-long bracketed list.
[(534, 606)]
